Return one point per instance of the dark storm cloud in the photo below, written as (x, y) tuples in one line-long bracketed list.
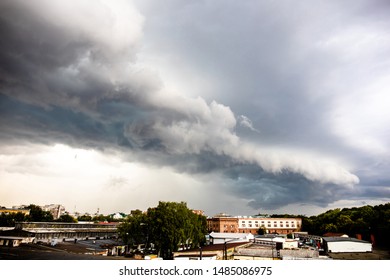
[(49, 62), (284, 66), (266, 58), (271, 191), (83, 82), (26, 122)]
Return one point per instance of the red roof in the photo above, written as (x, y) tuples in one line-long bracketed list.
[(331, 234)]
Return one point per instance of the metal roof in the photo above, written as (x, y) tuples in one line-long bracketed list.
[(230, 235), (343, 239)]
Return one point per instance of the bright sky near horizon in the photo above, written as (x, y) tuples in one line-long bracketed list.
[(231, 106)]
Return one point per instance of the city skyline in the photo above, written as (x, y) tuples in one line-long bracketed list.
[(270, 107)]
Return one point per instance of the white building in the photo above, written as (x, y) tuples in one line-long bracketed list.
[(118, 215), (272, 240), (56, 210), (346, 245), (279, 225)]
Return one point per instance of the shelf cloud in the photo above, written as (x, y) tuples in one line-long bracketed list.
[(247, 100)]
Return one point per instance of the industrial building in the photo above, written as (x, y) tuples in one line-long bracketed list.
[(50, 232), (346, 245), (220, 251)]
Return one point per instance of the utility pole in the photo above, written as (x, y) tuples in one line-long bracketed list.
[(225, 247)]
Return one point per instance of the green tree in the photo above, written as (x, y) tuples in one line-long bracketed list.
[(85, 218), (8, 220), (309, 224), (168, 226), (173, 225), (329, 228), (66, 219), (262, 230), (345, 224), (135, 229), (366, 220), (101, 218), (38, 215)]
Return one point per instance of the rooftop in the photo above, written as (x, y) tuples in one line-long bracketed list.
[(343, 239), (229, 235), (216, 247)]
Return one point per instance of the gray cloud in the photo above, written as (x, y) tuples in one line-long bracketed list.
[(98, 81)]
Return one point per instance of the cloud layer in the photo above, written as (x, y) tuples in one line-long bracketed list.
[(276, 110)]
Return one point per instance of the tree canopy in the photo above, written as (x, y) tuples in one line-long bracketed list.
[(66, 219), (38, 215), (168, 226), (8, 220), (366, 221)]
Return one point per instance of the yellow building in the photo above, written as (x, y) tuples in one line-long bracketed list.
[(12, 210)]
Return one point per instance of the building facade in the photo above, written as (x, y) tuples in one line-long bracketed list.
[(14, 211), (271, 225), (56, 210), (223, 224), (52, 231), (251, 224)]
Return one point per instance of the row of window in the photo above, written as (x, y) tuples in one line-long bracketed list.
[(256, 224), (269, 224), (232, 227)]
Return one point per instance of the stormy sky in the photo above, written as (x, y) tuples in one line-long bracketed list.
[(232, 106)]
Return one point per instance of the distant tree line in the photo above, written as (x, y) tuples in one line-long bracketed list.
[(36, 215), (39, 215), (168, 226), (366, 221)]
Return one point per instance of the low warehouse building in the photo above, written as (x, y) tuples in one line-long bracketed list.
[(53, 232), (346, 245), (12, 241)]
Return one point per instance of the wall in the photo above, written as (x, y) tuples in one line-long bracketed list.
[(348, 247), (268, 253), (251, 224)]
